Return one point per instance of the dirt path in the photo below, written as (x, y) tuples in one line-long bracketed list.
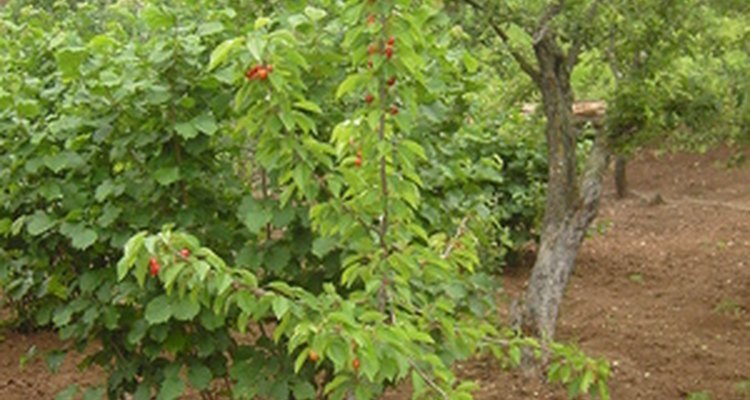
[(662, 291)]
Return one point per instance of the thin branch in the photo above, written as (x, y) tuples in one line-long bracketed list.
[(385, 298), (543, 26), (575, 48), (459, 232), (431, 383), (522, 61)]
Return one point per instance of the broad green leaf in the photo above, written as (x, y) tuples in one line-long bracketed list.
[(315, 14), (186, 130), (167, 175), (84, 238), (69, 61), (210, 28), (470, 62), (171, 388), (54, 360), (158, 310), (63, 160), (95, 393), (308, 106), (199, 376), (220, 53), (348, 85), (68, 393), (303, 390), (261, 22), (205, 123), (185, 309), (39, 223), (280, 306), (253, 215)]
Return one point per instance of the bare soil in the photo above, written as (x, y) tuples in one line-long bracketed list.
[(660, 290)]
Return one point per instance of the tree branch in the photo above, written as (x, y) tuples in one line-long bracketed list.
[(575, 48), (543, 26), (591, 184), (522, 61)]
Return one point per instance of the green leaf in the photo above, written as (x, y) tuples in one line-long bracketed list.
[(68, 393), (349, 84), (69, 61), (303, 390), (280, 306), (186, 130), (132, 247), (167, 175), (338, 352), (205, 123), (221, 52), (63, 160), (171, 388), (210, 28), (96, 393), (199, 376), (470, 63), (185, 309), (315, 14), (158, 310), (54, 360), (253, 215), (323, 246), (308, 106), (39, 223), (84, 238), (155, 17), (261, 22)]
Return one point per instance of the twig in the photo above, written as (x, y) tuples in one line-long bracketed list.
[(452, 243), (429, 380), (524, 63)]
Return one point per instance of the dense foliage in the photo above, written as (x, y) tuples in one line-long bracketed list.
[(333, 230)]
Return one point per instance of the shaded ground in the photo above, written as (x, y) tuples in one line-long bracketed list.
[(662, 291)]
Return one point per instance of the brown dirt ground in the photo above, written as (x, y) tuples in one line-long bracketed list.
[(662, 291)]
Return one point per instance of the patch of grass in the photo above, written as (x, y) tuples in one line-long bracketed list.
[(636, 278), (704, 395), (742, 389), (600, 228), (728, 307)]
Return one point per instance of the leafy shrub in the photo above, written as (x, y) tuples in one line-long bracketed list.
[(292, 149)]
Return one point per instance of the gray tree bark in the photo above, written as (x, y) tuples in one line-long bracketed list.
[(571, 203)]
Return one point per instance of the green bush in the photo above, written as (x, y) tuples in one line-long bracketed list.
[(292, 149)]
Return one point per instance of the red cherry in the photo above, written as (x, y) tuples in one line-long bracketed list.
[(251, 72), (154, 266), (358, 159), (394, 110), (391, 41), (388, 52), (372, 49), (355, 363), (262, 74), (391, 81), (185, 253), (369, 98)]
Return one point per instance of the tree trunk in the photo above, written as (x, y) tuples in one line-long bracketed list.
[(569, 208), (621, 181)]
